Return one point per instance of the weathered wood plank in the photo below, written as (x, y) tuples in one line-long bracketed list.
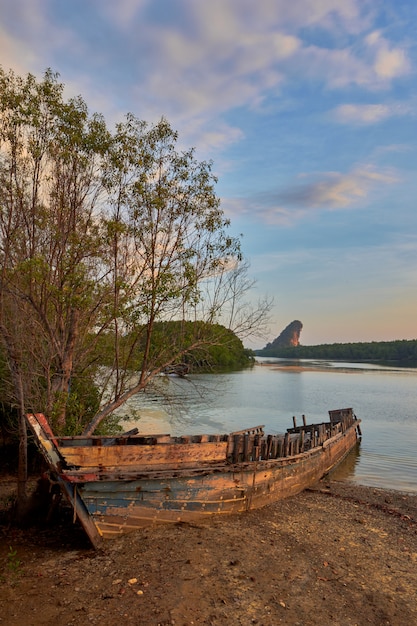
[(140, 439), (44, 437), (255, 430), (236, 447), (132, 456)]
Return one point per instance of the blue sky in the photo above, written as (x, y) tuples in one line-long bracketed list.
[(307, 109)]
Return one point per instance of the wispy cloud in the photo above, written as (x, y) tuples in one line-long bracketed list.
[(388, 61), (337, 190), (207, 59), (364, 114), (216, 71), (329, 192), (373, 64), (123, 12)]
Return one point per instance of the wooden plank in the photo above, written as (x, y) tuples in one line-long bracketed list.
[(44, 442), (174, 455), (250, 431), (236, 447), (286, 444), (81, 440), (80, 510), (269, 446), (340, 414), (246, 447)]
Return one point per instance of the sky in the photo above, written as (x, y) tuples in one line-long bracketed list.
[(307, 109)]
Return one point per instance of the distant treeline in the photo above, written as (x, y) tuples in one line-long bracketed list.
[(399, 350)]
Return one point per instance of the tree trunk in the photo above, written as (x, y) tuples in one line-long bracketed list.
[(22, 468), (61, 386)]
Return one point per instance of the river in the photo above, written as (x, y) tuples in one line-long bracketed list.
[(275, 390)]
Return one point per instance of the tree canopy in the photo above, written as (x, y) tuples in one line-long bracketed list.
[(105, 238), (401, 350)]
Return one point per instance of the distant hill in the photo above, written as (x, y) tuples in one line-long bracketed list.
[(402, 350), (289, 338)]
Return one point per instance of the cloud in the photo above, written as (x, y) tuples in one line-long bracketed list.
[(392, 148), (30, 42), (123, 12), (364, 114), (218, 70), (197, 62), (216, 136), (221, 55), (391, 63), (331, 191), (218, 55), (388, 62), (336, 68), (20, 27), (12, 55), (337, 190), (371, 67), (338, 60)]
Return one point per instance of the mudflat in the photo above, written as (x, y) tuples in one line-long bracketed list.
[(337, 554)]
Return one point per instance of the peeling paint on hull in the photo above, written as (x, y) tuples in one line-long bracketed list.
[(186, 481), (234, 490)]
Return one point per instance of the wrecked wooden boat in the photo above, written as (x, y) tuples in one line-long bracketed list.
[(178, 369), (118, 484)]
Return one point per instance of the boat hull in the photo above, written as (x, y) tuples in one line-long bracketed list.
[(118, 507), (118, 485)]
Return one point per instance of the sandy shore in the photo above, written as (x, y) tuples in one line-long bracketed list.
[(284, 367), (339, 554)]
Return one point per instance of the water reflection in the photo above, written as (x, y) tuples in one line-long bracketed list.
[(346, 470)]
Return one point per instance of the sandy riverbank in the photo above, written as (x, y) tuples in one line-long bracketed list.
[(339, 554), (296, 368)]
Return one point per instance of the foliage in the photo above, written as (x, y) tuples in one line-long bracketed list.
[(82, 403), (13, 562), (220, 347), (399, 350), (114, 251), (50, 248)]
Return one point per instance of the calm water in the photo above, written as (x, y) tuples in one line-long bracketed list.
[(274, 390)]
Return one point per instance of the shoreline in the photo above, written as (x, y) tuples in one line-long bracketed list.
[(308, 368), (338, 553)]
